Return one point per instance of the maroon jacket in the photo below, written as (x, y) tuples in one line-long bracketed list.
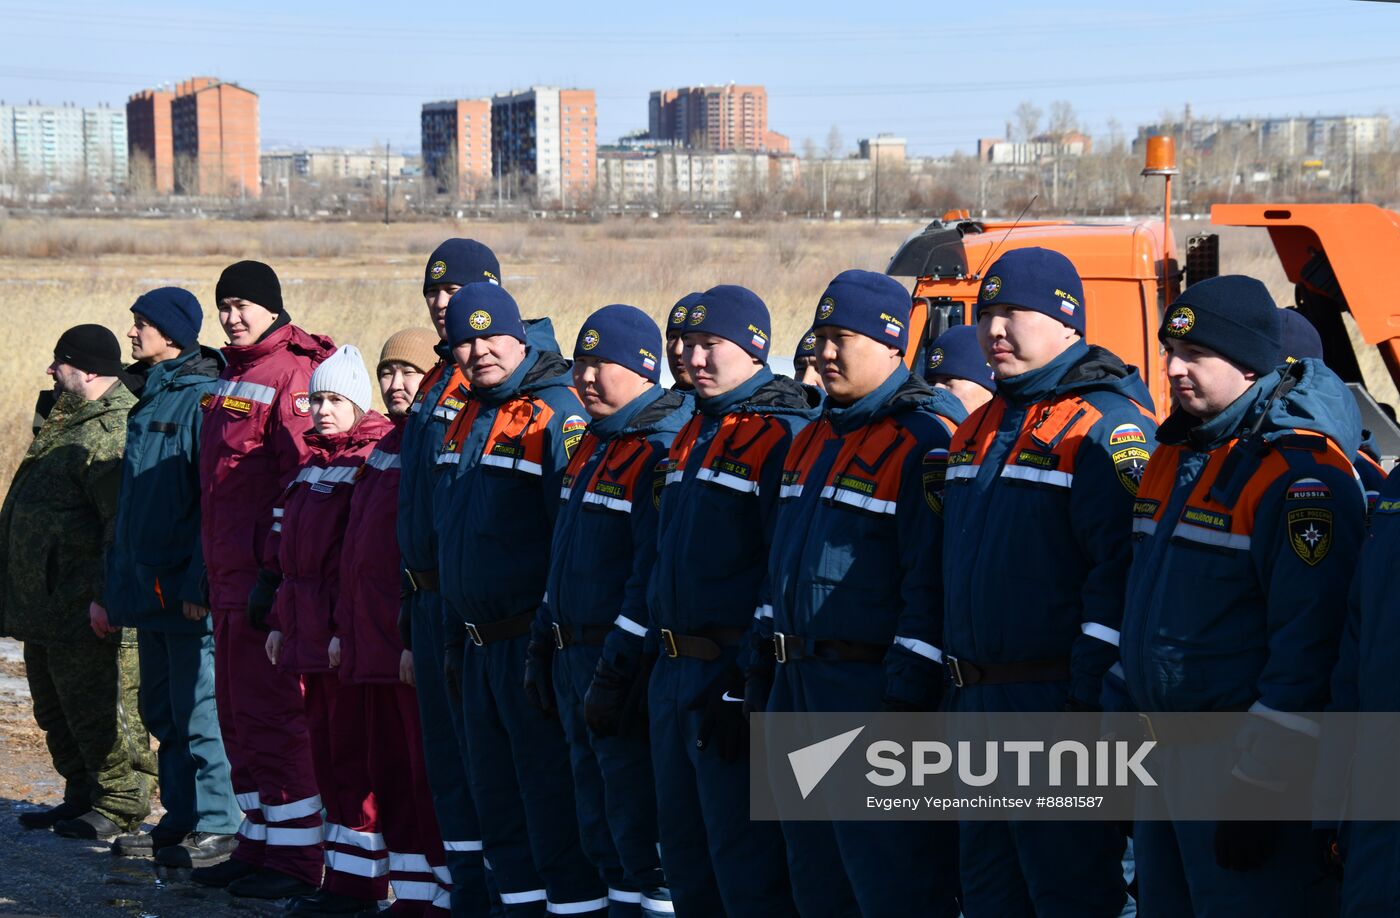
[(306, 540), (366, 617), (250, 449)]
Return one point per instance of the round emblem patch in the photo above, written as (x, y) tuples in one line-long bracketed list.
[(697, 315), (438, 269), (480, 320), (991, 287), (935, 358), (589, 340), (826, 307), (809, 343), (678, 315), (1181, 322)]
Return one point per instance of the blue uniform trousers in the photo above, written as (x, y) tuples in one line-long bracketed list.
[(518, 767), (613, 789), (440, 714), (717, 861), (177, 704), (1037, 869), (861, 868)]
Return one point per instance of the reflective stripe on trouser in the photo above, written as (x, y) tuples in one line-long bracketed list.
[(519, 772), (401, 795), (1176, 865), (716, 860), (613, 788), (356, 856), (444, 762), (1043, 868), (264, 732), (177, 705), (868, 868)]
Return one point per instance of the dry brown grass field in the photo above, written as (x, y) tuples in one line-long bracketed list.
[(361, 282)]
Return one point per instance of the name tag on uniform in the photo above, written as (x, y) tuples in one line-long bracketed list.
[(237, 405)]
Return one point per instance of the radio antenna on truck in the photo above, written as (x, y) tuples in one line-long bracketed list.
[(1005, 235)]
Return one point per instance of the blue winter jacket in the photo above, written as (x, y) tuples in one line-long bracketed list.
[(1247, 528), (1366, 678), (156, 562), (857, 511), (433, 410), (497, 491), (1037, 517), (605, 534), (720, 489)]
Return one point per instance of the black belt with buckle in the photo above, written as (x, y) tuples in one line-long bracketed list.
[(965, 672), (705, 644), (789, 648), (423, 580), (591, 635), (503, 630)]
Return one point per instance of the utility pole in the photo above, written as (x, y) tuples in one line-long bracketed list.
[(876, 151), (386, 183), (823, 187)]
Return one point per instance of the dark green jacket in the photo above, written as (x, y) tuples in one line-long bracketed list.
[(156, 562), (58, 516)]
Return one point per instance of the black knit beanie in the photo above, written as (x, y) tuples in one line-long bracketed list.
[(90, 348), (252, 281)]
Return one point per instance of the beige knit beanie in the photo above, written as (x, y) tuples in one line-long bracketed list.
[(413, 346)]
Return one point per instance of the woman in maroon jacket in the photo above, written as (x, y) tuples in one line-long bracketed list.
[(251, 446), (376, 721), (306, 543)]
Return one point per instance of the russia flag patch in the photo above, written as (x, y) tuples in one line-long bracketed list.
[(892, 329), (1067, 307), (648, 363), (759, 343)]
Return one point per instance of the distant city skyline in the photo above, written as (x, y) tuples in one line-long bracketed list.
[(351, 74)]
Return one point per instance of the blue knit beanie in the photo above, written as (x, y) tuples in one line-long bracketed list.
[(482, 309), (1300, 337), (870, 304), (461, 262), (623, 335), (1038, 279), (173, 310), (807, 346), (957, 353), (1232, 315), (675, 321), (734, 313)]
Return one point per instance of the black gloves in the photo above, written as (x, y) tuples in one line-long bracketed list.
[(1246, 845), (722, 723), (912, 682), (616, 701), (260, 599), (539, 676)]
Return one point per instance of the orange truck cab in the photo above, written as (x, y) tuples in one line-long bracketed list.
[(1342, 258)]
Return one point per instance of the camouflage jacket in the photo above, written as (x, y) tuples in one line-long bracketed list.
[(58, 516)]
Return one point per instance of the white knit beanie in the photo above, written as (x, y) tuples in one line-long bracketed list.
[(344, 374)]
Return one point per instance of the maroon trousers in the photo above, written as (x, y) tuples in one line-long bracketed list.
[(381, 830), (265, 735)]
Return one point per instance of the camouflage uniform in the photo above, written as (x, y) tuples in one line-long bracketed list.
[(55, 523)]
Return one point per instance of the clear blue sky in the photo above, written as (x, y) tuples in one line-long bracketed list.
[(939, 73)]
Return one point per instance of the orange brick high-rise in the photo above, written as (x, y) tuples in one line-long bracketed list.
[(215, 139), (150, 155)]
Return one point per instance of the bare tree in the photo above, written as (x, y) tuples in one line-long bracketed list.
[(834, 144), (1027, 117), (1063, 120)]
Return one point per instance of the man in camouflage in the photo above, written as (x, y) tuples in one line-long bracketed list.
[(54, 526)]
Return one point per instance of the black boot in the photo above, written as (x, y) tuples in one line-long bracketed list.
[(325, 902), (45, 819), (265, 883), (91, 825), (198, 850), (222, 874)]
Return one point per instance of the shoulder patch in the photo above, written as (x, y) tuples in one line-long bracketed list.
[(935, 473), (1388, 506), (1309, 489), (1310, 533), (206, 400), (573, 430), (301, 403), (1130, 464), (1126, 433), (1206, 519), (1145, 507)]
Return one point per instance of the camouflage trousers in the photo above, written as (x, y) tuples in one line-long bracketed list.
[(85, 701)]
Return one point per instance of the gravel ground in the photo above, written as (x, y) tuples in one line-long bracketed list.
[(42, 874)]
